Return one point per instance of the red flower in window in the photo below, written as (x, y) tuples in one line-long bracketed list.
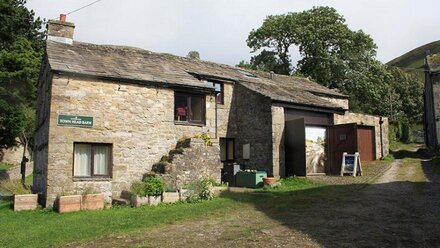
[(181, 111)]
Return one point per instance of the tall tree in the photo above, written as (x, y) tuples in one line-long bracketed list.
[(193, 55), (21, 49), (331, 54)]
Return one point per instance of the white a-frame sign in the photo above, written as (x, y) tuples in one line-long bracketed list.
[(351, 164)]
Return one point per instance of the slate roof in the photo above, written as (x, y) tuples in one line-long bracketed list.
[(128, 63)]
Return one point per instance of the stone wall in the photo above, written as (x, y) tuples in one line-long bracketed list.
[(14, 155), (278, 142), (254, 125), (369, 120), (137, 120), (14, 173), (195, 161)]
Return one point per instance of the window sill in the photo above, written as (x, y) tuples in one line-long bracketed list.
[(93, 179), (185, 123)]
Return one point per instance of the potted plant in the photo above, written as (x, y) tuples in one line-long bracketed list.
[(138, 196), (269, 180), (154, 188), (149, 191)]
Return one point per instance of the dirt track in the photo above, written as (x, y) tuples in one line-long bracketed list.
[(401, 209)]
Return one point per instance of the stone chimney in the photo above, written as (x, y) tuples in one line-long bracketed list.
[(60, 30)]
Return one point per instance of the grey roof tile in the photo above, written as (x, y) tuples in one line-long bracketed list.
[(142, 65)]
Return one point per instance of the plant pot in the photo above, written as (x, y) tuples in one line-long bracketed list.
[(137, 201), (92, 202), (154, 200), (269, 180), (69, 203), (25, 202), (170, 197)]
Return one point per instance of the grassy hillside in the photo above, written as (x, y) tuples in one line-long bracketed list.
[(415, 58)]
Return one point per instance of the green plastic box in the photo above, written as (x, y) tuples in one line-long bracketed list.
[(250, 179)]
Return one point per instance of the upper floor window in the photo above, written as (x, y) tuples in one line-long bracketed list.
[(218, 91), (189, 108)]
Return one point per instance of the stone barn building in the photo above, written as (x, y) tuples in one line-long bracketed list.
[(109, 114)]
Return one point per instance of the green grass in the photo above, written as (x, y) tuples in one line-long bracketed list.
[(5, 166), (293, 184), (43, 228), (397, 145), (29, 180), (415, 58)]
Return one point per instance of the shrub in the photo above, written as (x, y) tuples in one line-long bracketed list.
[(138, 188), (15, 187), (200, 190), (205, 137), (154, 185)]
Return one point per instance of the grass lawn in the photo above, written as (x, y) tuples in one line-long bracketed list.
[(396, 145), (42, 228), (5, 166)]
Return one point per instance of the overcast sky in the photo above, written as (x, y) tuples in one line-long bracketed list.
[(218, 28)]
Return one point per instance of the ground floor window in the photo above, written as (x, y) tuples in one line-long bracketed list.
[(189, 108), (91, 160), (227, 149)]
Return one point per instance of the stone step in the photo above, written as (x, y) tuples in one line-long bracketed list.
[(120, 201)]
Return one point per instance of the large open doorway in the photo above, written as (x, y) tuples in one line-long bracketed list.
[(306, 146), (316, 150)]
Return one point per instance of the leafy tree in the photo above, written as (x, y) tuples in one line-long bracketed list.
[(193, 55), (265, 61), (21, 49), (409, 87), (331, 54), (17, 21)]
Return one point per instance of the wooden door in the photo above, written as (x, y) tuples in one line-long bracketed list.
[(342, 138), (295, 147), (366, 148)]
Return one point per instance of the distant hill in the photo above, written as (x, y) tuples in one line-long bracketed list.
[(416, 57)]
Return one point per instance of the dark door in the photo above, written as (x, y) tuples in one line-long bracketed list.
[(365, 137), (295, 147), (342, 139)]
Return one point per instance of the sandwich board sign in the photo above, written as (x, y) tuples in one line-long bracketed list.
[(351, 164)]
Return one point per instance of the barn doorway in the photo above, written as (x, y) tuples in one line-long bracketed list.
[(316, 150)]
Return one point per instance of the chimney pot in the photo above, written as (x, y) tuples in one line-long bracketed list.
[(62, 17)]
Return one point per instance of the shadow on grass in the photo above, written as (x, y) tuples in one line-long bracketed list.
[(380, 215)]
